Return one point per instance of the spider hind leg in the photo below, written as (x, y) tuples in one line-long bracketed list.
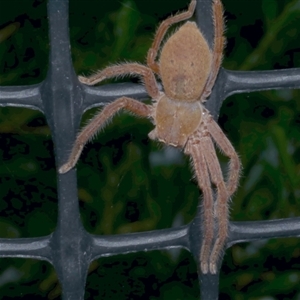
[(195, 149)]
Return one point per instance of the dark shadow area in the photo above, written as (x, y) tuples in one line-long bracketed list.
[(264, 128), (266, 268), (28, 206), (154, 275), (24, 50), (28, 279)]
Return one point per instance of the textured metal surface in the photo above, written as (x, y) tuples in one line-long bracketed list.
[(63, 100)]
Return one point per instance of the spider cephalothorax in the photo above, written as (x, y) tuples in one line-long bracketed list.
[(188, 69)]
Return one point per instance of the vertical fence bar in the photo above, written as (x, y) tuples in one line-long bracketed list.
[(62, 100)]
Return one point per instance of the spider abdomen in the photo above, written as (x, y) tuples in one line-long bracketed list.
[(176, 121), (185, 63)]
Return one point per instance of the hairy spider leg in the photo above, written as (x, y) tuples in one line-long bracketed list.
[(99, 121), (221, 203), (226, 147), (221, 209), (196, 149), (125, 69), (101, 118), (161, 31), (207, 168), (219, 42)]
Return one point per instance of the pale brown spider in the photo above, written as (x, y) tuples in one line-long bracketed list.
[(188, 70)]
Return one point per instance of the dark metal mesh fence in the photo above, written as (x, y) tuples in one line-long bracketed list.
[(71, 249)]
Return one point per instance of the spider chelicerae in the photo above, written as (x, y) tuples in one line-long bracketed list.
[(188, 69)]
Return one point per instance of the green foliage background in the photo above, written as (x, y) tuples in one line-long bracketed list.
[(127, 183)]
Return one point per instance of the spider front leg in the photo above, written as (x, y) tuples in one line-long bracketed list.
[(161, 31), (125, 69), (218, 47), (99, 121)]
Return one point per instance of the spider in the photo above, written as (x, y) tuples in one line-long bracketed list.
[(188, 69)]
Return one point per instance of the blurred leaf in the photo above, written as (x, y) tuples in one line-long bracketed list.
[(8, 31), (289, 14)]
